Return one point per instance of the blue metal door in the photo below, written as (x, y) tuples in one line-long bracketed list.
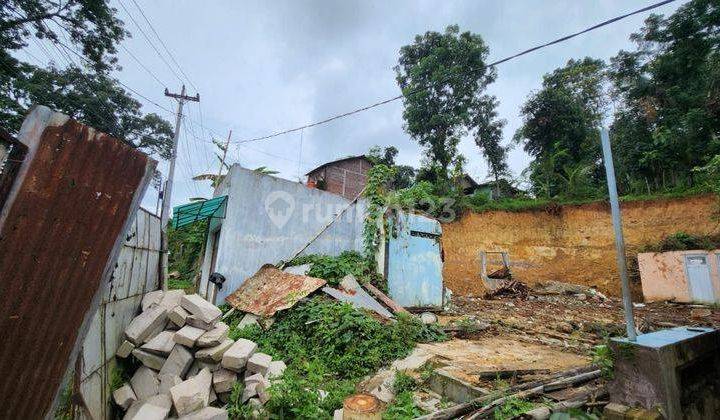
[(698, 273), (414, 265)]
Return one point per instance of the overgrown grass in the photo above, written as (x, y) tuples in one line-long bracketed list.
[(327, 346), (180, 284), (681, 241)]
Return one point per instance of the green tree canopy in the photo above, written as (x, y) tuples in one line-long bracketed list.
[(560, 123), (443, 77), (85, 91), (668, 92)]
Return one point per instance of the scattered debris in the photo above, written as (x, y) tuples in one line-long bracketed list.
[(271, 290), (428, 318), (509, 287), (385, 299), (351, 292)]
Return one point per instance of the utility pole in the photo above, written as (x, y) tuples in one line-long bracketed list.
[(222, 161), (167, 193), (619, 240)]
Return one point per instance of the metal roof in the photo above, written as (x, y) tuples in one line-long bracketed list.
[(199, 210)]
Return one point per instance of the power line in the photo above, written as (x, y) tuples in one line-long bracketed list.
[(495, 63), (167, 50), (143, 66), (147, 38)]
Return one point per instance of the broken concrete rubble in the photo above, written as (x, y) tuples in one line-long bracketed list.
[(125, 349), (215, 336), (238, 354), (153, 361), (145, 324), (144, 383), (178, 316), (215, 353), (124, 396), (200, 308), (178, 362), (259, 363), (207, 413), (192, 394), (162, 344), (151, 298), (187, 335), (223, 380), (190, 376)]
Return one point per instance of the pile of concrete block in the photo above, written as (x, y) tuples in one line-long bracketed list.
[(189, 365)]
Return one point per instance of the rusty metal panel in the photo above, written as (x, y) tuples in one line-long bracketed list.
[(60, 232), (271, 290)]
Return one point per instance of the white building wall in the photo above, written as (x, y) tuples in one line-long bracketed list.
[(269, 219)]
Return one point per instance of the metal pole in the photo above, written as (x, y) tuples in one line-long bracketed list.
[(617, 226), (167, 193)]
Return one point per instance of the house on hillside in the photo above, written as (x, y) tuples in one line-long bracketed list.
[(346, 177)]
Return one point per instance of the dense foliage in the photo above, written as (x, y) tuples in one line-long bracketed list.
[(328, 347), (443, 78), (333, 269), (666, 96), (185, 247)]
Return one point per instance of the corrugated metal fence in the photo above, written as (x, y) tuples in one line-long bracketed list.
[(136, 273)]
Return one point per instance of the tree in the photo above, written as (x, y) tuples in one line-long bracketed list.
[(95, 99), (560, 125), (669, 98), (489, 138), (89, 24), (87, 92), (403, 175), (442, 77)]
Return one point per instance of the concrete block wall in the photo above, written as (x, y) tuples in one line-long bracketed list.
[(136, 273)]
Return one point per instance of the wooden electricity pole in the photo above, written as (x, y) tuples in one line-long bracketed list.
[(167, 192)]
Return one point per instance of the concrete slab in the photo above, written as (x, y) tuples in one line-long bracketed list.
[(171, 299), (145, 324), (192, 394), (144, 383), (187, 336), (178, 362), (162, 344), (236, 357), (168, 381), (153, 361), (200, 308), (214, 354), (215, 336)]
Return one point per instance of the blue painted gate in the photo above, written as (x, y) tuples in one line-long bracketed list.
[(414, 264)]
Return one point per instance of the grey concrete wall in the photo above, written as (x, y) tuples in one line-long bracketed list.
[(268, 219), (136, 273)]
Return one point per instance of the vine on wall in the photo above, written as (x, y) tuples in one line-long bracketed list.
[(376, 192)]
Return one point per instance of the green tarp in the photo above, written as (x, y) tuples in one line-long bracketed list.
[(199, 210)]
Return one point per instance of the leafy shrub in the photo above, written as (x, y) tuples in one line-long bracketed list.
[(403, 408), (404, 383), (511, 408), (333, 269), (602, 357), (327, 346)]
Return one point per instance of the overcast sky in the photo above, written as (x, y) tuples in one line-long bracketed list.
[(263, 66)]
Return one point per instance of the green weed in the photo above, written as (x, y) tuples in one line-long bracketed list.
[(403, 408), (333, 269), (511, 408), (602, 357)]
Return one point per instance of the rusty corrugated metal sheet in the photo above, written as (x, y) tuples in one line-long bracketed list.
[(60, 232), (271, 290)]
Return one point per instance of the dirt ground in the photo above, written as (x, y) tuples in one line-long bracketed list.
[(571, 322)]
